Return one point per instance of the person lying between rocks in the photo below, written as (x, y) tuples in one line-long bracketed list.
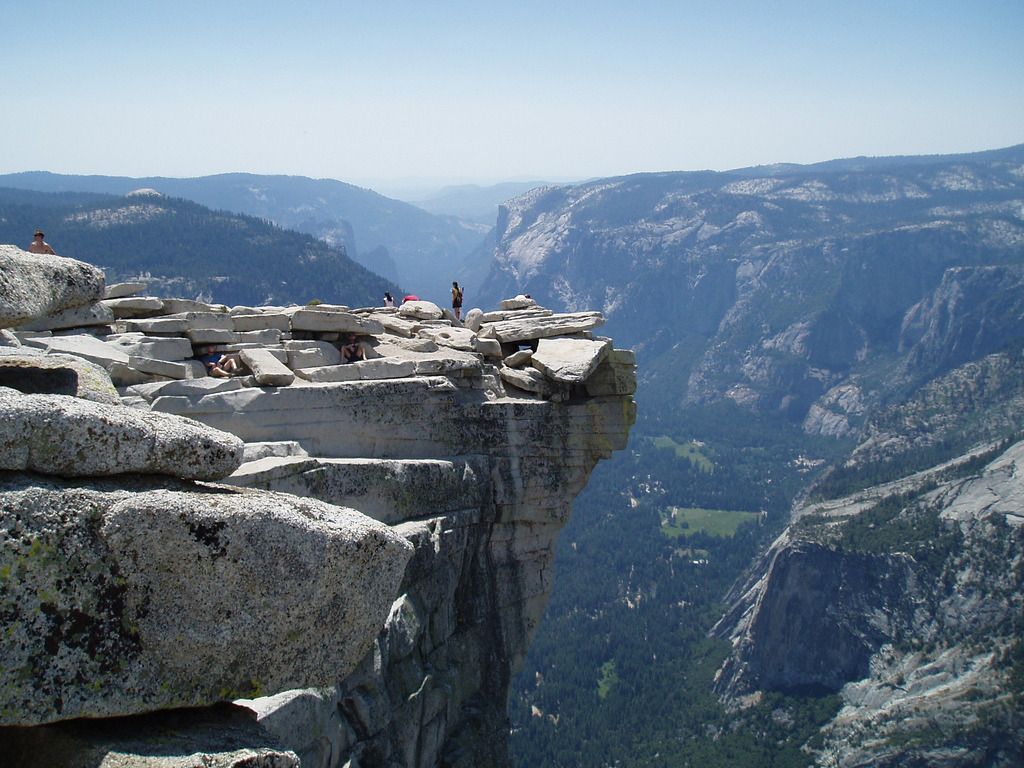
[(353, 349), (219, 365)]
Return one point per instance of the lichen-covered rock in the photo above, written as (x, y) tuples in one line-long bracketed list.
[(68, 436), (120, 597), (34, 285)]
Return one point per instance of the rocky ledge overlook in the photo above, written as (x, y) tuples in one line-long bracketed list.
[(335, 563)]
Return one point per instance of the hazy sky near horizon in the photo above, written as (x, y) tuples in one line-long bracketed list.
[(482, 91)]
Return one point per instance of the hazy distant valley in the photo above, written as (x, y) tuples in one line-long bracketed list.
[(808, 338)]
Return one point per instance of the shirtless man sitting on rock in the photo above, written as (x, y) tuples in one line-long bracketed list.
[(39, 245)]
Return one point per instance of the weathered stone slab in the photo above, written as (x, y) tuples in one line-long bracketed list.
[(134, 306), (266, 337), (519, 359), (488, 347), (622, 357), (421, 310), (261, 321), (121, 290), (456, 338), (334, 320), (77, 317), (399, 325), (190, 306), (71, 437), (196, 387), (268, 370), (183, 321), (203, 336), (514, 314), (569, 361), (363, 370), (408, 345), (528, 379), (158, 367), (84, 345), (34, 285), (275, 449), (32, 372), (519, 302), (307, 399), (171, 348), (157, 325), (124, 375), (311, 354), (218, 595), (389, 490), (528, 329), (308, 721)]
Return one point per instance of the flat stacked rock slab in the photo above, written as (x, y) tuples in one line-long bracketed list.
[(568, 360), (530, 328)]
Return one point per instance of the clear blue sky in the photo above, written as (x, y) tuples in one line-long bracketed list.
[(485, 91)]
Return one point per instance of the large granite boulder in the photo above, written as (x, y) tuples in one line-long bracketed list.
[(71, 437), (129, 595), (34, 285), (32, 372)]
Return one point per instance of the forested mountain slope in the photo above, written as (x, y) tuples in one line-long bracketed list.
[(863, 315), (409, 246), (183, 249)]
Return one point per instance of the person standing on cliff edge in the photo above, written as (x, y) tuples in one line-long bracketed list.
[(456, 298), (39, 246)]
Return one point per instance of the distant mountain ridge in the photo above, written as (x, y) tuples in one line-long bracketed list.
[(181, 248), (405, 244), (475, 202), (811, 293)]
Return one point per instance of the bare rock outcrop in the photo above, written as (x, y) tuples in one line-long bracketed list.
[(72, 437), (372, 586), (128, 595), (35, 285), (904, 600)]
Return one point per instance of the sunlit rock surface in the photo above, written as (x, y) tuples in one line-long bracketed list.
[(375, 577)]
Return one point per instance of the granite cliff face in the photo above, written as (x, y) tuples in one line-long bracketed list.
[(906, 599), (356, 554), (812, 292)]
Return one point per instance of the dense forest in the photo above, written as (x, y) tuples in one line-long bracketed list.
[(180, 248), (621, 670), (622, 667)]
